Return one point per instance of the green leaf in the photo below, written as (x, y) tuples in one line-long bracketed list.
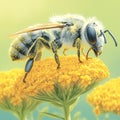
[(53, 115), (57, 103)]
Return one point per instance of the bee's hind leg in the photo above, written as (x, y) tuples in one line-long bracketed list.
[(29, 64), (54, 49), (28, 67), (31, 54), (38, 56)]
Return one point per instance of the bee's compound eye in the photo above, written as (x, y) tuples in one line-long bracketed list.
[(91, 34)]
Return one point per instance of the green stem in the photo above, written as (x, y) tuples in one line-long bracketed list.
[(66, 109), (22, 117)]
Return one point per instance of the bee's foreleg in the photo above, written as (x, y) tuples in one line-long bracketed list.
[(54, 49), (88, 54), (78, 51)]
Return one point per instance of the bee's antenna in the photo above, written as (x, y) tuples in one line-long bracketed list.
[(115, 41), (102, 33)]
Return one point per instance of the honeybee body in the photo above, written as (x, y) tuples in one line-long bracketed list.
[(64, 31), (21, 46), (65, 37), (28, 45)]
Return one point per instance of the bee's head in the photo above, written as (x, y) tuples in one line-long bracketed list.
[(92, 36), (95, 37)]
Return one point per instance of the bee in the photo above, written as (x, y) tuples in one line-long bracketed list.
[(63, 31)]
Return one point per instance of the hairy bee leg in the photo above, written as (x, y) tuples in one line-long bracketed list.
[(54, 49), (25, 77), (57, 60), (28, 67), (31, 54), (88, 53), (65, 49), (32, 51), (78, 51), (38, 56), (82, 50), (45, 43)]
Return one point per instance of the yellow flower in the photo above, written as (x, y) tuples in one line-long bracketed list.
[(106, 98), (45, 82), (7, 80), (12, 97), (61, 87)]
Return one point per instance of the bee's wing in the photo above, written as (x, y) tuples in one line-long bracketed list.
[(38, 27)]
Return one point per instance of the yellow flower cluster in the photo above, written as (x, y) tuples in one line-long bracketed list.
[(13, 98), (7, 81), (44, 82), (44, 75), (106, 98)]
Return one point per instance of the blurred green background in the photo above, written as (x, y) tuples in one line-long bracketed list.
[(18, 14)]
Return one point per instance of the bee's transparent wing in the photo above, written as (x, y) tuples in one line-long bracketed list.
[(38, 27)]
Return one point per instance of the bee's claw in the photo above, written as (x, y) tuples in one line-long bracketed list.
[(24, 79), (58, 67), (87, 57), (80, 61)]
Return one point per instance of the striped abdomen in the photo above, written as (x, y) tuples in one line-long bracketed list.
[(20, 46)]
